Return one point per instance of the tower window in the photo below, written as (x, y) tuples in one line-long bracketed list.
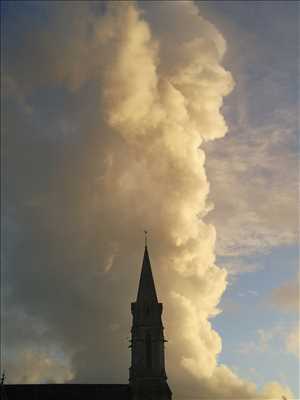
[(148, 350)]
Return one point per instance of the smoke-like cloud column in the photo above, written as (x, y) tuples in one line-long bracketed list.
[(159, 91)]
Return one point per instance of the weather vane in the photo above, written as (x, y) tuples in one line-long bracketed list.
[(146, 232)]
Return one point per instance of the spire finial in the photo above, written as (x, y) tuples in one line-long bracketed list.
[(146, 290)]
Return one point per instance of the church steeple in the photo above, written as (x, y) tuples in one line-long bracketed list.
[(147, 377), (146, 291)]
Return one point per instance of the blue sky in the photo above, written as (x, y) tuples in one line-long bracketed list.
[(265, 58), (252, 293)]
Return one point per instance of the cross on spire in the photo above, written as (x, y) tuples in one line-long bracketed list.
[(146, 233)]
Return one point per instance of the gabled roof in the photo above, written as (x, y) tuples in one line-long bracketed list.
[(67, 392)]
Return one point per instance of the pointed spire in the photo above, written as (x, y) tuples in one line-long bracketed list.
[(146, 291)]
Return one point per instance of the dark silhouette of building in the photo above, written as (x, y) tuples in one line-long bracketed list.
[(66, 392), (147, 375)]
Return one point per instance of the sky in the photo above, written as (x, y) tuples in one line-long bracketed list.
[(177, 117)]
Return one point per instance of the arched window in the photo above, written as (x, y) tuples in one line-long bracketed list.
[(148, 350)]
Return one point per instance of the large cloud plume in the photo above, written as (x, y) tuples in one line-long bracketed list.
[(139, 93)]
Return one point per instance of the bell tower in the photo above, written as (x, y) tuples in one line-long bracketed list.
[(147, 377)]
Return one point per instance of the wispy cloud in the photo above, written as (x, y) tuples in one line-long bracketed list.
[(285, 339), (237, 266), (286, 297), (254, 187), (293, 341)]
